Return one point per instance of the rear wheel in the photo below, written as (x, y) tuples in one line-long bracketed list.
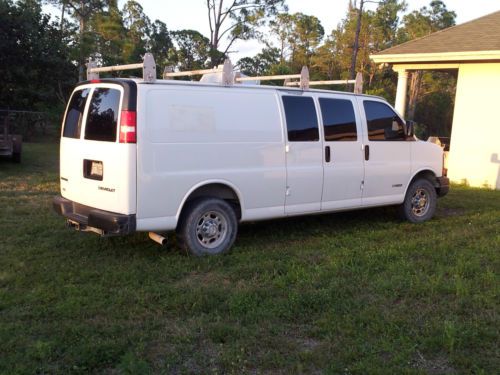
[(207, 226), (420, 201)]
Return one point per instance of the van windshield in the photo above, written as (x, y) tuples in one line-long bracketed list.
[(102, 116), (74, 114)]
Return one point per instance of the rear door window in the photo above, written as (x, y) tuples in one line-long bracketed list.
[(102, 116), (301, 119), (339, 120), (74, 114)]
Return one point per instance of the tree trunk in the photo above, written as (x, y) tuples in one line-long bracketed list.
[(356, 41), (61, 26), (81, 57), (415, 84)]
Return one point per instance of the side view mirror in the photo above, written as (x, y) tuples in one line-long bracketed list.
[(410, 128)]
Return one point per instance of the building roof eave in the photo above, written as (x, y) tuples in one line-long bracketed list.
[(405, 58)]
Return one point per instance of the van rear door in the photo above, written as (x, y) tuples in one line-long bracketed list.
[(98, 149)]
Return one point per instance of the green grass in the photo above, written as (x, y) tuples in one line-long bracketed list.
[(349, 293)]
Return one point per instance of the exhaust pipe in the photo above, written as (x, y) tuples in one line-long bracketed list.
[(157, 238)]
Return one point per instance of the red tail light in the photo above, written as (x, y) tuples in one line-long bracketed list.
[(128, 127)]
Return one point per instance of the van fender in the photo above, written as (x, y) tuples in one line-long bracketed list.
[(421, 171), (209, 182)]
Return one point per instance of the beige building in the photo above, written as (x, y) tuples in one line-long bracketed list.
[(472, 48)]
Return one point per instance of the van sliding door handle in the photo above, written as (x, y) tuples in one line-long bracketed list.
[(327, 154), (367, 152)]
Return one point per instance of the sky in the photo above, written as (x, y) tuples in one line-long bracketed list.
[(192, 14)]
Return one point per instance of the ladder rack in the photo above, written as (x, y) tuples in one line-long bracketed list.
[(228, 75), (148, 67)]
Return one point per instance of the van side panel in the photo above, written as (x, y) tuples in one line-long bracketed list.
[(195, 135)]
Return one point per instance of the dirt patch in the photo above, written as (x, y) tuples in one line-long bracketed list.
[(447, 212), (203, 279), (435, 366)]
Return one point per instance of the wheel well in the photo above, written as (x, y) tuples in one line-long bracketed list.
[(428, 175), (217, 190)]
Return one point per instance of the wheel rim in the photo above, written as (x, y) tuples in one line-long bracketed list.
[(211, 229), (420, 202)]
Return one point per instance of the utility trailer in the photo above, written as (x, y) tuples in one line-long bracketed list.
[(10, 144)]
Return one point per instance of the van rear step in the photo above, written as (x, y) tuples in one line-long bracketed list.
[(89, 219)]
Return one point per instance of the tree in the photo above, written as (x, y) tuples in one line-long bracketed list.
[(107, 37), (160, 44), (385, 21), (83, 10), (298, 35), (281, 28), (306, 35), (36, 72), (326, 60), (138, 27), (261, 64), (192, 52), (237, 19)]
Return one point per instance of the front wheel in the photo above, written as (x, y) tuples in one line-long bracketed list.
[(207, 226), (420, 202)]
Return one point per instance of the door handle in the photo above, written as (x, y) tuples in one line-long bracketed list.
[(367, 152), (327, 154)]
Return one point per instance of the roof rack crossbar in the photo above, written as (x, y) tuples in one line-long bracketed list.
[(168, 73), (303, 76), (268, 78), (358, 83), (319, 83), (148, 67)]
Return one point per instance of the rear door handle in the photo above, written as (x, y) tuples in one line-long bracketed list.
[(327, 154), (367, 152)]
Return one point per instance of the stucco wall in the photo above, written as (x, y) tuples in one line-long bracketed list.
[(475, 138)]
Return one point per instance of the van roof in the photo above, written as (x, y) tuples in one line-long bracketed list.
[(250, 87)]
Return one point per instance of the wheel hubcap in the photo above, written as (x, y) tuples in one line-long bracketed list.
[(420, 202), (211, 229)]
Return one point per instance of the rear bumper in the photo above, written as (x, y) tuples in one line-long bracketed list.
[(87, 218), (442, 186)]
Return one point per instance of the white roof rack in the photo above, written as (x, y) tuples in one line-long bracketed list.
[(227, 74), (230, 77), (148, 67)]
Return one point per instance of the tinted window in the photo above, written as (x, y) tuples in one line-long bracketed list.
[(301, 119), (383, 123), (103, 115), (74, 114), (339, 121)]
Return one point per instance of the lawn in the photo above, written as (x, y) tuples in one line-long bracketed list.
[(348, 293)]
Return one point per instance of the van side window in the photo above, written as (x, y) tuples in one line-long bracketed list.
[(301, 119), (103, 115), (383, 123), (74, 114), (339, 121)]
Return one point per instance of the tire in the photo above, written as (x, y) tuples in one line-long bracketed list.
[(420, 201), (207, 226), (16, 157)]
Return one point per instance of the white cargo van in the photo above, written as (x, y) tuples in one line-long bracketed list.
[(199, 158)]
